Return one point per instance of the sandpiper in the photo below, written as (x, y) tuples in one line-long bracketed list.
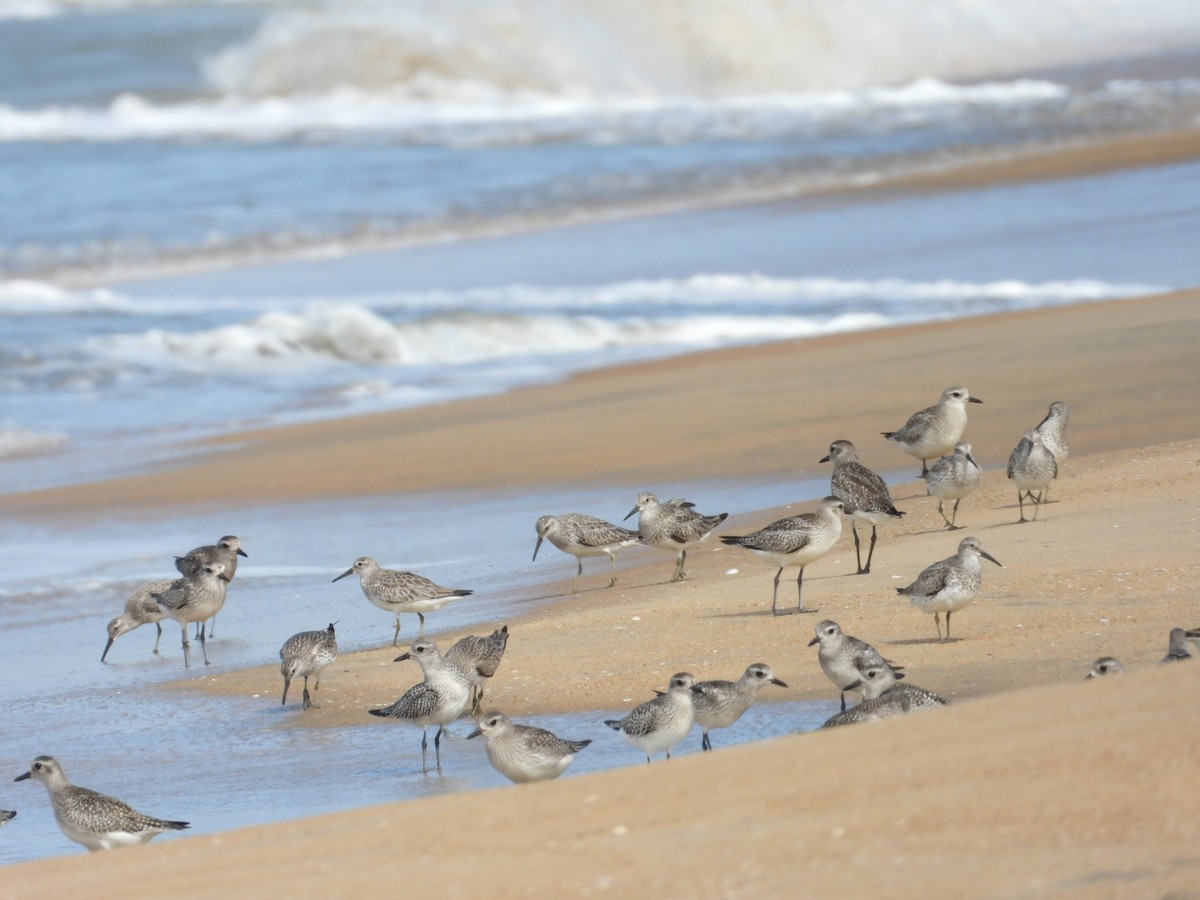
[(718, 704), (582, 535), (1177, 648), (954, 477), (97, 821), (195, 598), (660, 723), (794, 541), (1105, 665), (864, 494), (843, 656), (401, 592), (884, 697), (935, 430), (305, 654), (478, 658), (1053, 430), (674, 525), (523, 753), (949, 584), (438, 700), (1031, 467), (225, 551), (140, 609)]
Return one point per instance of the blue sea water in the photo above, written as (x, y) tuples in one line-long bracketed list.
[(216, 215)]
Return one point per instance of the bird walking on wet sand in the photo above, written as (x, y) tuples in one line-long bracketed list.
[(582, 535), (1053, 430), (523, 753), (1031, 467), (863, 493), (140, 609), (718, 704), (95, 820), (883, 697), (304, 654), (664, 721), (401, 592), (794, 541), (195, 598), (954, 477), (1105, 665), (935, 430), (439, 699), (949, 584), (225, 551), (673, 525), (478, 658), (1177, 646), (843, 657)]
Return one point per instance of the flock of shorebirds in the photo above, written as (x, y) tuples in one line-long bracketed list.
[(452, 684)]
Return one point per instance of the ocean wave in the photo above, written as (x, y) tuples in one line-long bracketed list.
[(17, 442), (28, 297)]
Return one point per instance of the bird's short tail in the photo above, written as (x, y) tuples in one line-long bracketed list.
[(386, 712), (733, 540), (614, 724), (177, 826), (576, 746)]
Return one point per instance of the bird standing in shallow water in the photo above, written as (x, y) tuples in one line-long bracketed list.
[(225, 551), (864, 495), (523, 753), (140, 609), (663, 722), (87, 817), (305, 654), (718, 704), (195, 598), (582, 535)]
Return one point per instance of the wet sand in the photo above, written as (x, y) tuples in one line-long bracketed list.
[(1031, 782)]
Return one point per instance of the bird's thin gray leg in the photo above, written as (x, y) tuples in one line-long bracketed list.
[(1037, 504), (1021, 503), (186, 663), (870, 553), (947, 624), (954, 515), (204, 645), (857, 555), (212, 625), (396, 633), (937, 620), (157, 637), (421, 616), (578, 573), (705, 743), (949, 524), (612, 559), (307, 697), (679, 566), (775, 595), (437, 748), (843, 701), (424, 749)]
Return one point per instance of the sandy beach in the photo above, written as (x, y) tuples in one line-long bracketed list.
[(1031, 782)]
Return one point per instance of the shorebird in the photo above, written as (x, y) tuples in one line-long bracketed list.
[(401, 592), (935, 430), (952, 478), (1177, 648), (140, 609), (949, 584), (97, 821), (582, 535), (674, 525), (864, 494), (843, 656), (225, 551), (6, 816), (884, 697), (439, 699), (478, 658), (1105, 665), (195, 598), (1031, 467), (660, 723), (305, 654), (794, 541), (718, 704), (1053, 430), (523, 753)]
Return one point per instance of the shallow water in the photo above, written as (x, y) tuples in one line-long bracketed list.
[(225, 762)]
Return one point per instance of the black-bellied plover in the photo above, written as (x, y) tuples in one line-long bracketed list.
[(884, 697), (97, 821), (1177, 648), (225, 551), (7, 815), (718, 704), (1053, 430), (478, 658), (950, 584), (1105, 665), (661, 723), (1031, 467), (864, 494), (401, 592), (794, 541), (523, 753), (582, 535), (443, 696), (843, 656), (674, 525), (195, 598), (305, 654), (140, 609), (954, 477), (935, 430)]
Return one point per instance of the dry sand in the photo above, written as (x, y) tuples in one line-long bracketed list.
[(1031, 782)]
